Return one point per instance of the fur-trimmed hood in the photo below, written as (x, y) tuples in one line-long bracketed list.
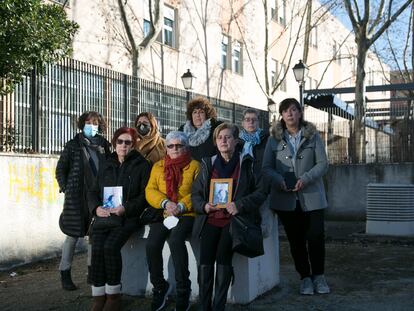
[(308, 130)]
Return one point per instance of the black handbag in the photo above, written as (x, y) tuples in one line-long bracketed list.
[(110, 222), (247, 237), (151, 215)]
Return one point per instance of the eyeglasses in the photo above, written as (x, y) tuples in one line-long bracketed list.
[(177, 146), (126, 142), (250, 119)]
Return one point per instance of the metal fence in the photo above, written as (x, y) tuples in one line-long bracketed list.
[(41, 114), (388, 133)]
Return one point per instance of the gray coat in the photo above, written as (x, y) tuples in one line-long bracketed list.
[(311, 164)]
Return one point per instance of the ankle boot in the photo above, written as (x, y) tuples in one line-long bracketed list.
[(223, 279), (182, 301), (113, 302), (205, 283), (98, 303), (66, 279)]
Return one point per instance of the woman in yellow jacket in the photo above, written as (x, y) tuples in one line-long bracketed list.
[(169, 188)]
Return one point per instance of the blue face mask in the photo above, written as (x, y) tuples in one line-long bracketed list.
[(90, 130)]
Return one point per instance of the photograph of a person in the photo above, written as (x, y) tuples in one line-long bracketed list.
[(220, 191)]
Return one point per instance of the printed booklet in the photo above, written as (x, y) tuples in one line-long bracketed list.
[(112, 197)]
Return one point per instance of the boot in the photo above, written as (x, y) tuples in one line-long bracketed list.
[(89, 276), (113, 302), (66, 279), (205, 284), (182, 302), (98, 303), (223, 279)]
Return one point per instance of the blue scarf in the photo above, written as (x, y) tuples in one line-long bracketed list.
[(250, 140)]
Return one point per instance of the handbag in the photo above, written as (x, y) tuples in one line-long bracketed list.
[(247, 237), (151, 215), (110, 222)]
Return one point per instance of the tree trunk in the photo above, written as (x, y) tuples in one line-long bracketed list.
[(358, 152)]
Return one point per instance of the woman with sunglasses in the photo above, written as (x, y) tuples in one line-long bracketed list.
[(169, 188), (127, 168)]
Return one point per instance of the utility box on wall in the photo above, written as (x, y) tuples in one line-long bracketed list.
[(390, 209)]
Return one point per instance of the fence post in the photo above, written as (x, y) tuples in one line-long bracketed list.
[(126, 111), (34, 104)]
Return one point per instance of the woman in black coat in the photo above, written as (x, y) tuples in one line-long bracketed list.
[(199, 127), (128, 169), (76, 172), (212, 223)]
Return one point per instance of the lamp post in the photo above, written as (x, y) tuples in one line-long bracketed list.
[(300, 70), (187, 79)]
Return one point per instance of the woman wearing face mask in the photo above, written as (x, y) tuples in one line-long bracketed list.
[(76, 172), (199, 127), (150, 143)]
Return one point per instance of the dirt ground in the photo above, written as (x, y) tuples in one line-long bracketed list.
[(365, 273)]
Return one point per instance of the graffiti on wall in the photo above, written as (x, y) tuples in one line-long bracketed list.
[(32, 181)]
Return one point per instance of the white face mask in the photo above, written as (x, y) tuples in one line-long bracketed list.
[(90, 130)]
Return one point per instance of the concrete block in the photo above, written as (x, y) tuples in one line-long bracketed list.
[(253, 276)]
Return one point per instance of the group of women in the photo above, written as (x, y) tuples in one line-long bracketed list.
[(171, 178)]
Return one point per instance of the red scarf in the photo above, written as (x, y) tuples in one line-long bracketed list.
[(173, 169)]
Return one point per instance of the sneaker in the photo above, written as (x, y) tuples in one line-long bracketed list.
[(306, 286), (159, 297), (321, 287)]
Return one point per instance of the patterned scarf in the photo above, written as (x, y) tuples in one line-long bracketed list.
[(197, 136), (173, 169), (250, 139)]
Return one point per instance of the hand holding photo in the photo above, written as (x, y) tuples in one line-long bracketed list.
[(112, 197), (221, 191)]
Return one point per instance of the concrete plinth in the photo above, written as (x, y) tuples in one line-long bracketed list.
[(253, 276)]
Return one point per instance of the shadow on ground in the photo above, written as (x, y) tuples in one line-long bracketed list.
[(365, 273)]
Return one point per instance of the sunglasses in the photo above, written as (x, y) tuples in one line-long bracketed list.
[(126, 142), (177, 146)]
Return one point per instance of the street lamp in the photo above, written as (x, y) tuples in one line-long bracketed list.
[(300, 70), (187, 79)]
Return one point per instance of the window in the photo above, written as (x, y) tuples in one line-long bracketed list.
[(313, 37), (273, 67), (146, 28), (236, 57), (224, 52), (336, 52), (278, 73), (278, 11), (282, 12), (170, 28), (282, 76)]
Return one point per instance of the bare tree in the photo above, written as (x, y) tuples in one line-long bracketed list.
[(134, 48), (368, 25)]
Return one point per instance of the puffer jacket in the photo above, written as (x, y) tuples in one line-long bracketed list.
[(156, 189), (311, 164), (248, 195), (70, 175), (132, 175)]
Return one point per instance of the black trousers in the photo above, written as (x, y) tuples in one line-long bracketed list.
[(215, 245), (176, 241), (106, 264), (306, 234)]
